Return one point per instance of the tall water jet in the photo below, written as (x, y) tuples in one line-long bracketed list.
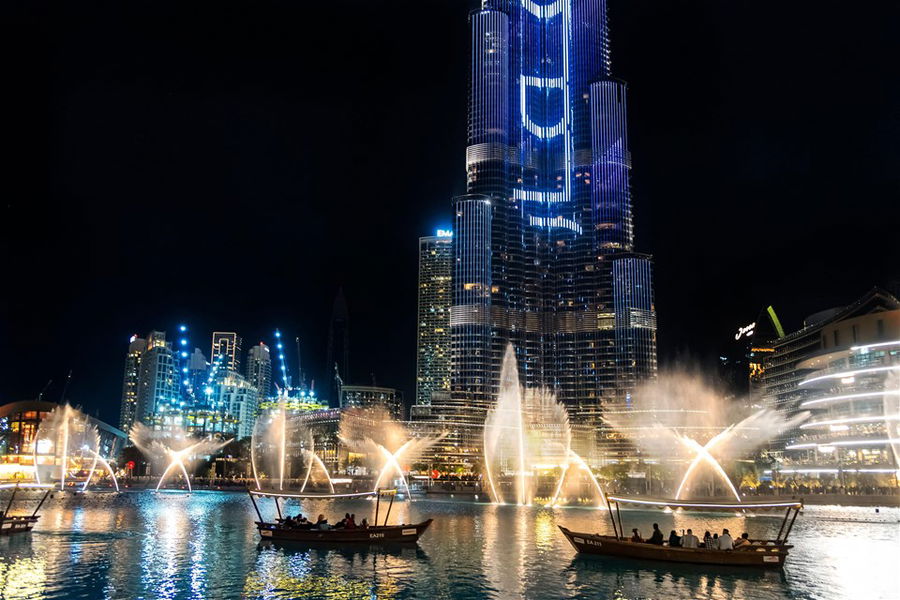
[(528, 432), (173, 450)]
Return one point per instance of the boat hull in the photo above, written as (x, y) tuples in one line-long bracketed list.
[(392, 534), (14, 525), (764, 557)]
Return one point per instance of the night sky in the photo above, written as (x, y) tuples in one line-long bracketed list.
[(230, 165)]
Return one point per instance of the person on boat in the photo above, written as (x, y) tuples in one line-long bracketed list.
[(690, 540), (726, 542), (351, 522), (657, 536), (364, 524), (713, 542), (707, 540), (288, 522), (635, 536), (322, 523), (674, 540)]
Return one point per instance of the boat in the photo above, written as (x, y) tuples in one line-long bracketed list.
[(760, 553), (13, 524), (373, 534)]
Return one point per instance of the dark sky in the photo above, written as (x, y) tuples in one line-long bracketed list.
[(229, 165)]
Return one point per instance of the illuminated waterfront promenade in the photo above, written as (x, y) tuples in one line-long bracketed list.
[(204, 545)]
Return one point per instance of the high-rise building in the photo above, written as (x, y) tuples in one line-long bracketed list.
[(131, 383), (158, 386), (371, 396), (235, 401), (227, 344), (543, 240), (433, 324), (259, 369), (337, 357)]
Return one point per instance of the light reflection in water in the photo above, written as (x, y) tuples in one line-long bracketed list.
[(204, 546)]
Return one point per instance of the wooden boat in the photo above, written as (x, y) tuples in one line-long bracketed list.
[(373, 534), (13, 524), (768, 554)]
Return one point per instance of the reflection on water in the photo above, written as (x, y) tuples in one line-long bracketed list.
[(175, 546)]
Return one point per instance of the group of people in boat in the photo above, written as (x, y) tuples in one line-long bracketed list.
[(689, 540), (321, 523)]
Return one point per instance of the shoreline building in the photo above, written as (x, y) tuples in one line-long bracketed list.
[(131, 382), (371, 396), (158, 387), (544, 254), (433, 323), (843, 367), (259, 369)]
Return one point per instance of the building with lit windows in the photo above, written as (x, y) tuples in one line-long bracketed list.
[(227, 344), (544, 254), (843, 368), (433, 315), (158, 381), (371, 396), (131, 382), (259, 369)]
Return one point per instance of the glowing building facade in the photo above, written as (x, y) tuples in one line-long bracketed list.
[(131, 382), (227, 344), (544, 241), (433, 322), (259, 369), (843, 368), (158, 387)]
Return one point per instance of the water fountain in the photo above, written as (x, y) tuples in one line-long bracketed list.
[(526, 432), (672, 416), (373, 433), (173, 450), (276, 440), (71, 442)]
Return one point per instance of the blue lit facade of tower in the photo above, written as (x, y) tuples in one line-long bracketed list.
[(548, 150)]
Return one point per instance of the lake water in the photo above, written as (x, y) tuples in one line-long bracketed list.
[(204, 545)]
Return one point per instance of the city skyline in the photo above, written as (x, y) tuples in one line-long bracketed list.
[(776, 181)]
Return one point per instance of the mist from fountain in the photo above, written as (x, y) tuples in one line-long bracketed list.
[(527, 431), (68, 436), (171, 450), (384, 442), (680, 416)]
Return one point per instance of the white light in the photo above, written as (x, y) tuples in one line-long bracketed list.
[(871, 419), (844, 443), (848, 397), (878, 345), (850, 374), (444, 233)]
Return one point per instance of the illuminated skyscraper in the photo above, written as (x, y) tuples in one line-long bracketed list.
[(433, 323), (259, 369), (544, 242), (131, 384), (158, 388), (228, 345)]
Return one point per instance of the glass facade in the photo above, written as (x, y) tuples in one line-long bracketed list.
[(131, 382), (544, 241), (433, 323)]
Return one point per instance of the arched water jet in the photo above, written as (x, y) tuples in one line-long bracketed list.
[(106, 464), (391, 460), (585, 467), (314, 459), (704, 454), (701, 457)]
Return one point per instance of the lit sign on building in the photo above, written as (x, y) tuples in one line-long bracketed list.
[(445, 233), (745, 331)]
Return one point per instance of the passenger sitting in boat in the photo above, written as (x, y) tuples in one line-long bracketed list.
[(322, 523), (742, 541), (351, 522), (690, 540), (713, 544), (656, 537), (288, 522), (636, 537), (707, 540), (725, 541), (674, 540), (343, 522), (364, 524)]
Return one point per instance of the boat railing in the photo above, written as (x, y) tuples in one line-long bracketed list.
[(377, 494)]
